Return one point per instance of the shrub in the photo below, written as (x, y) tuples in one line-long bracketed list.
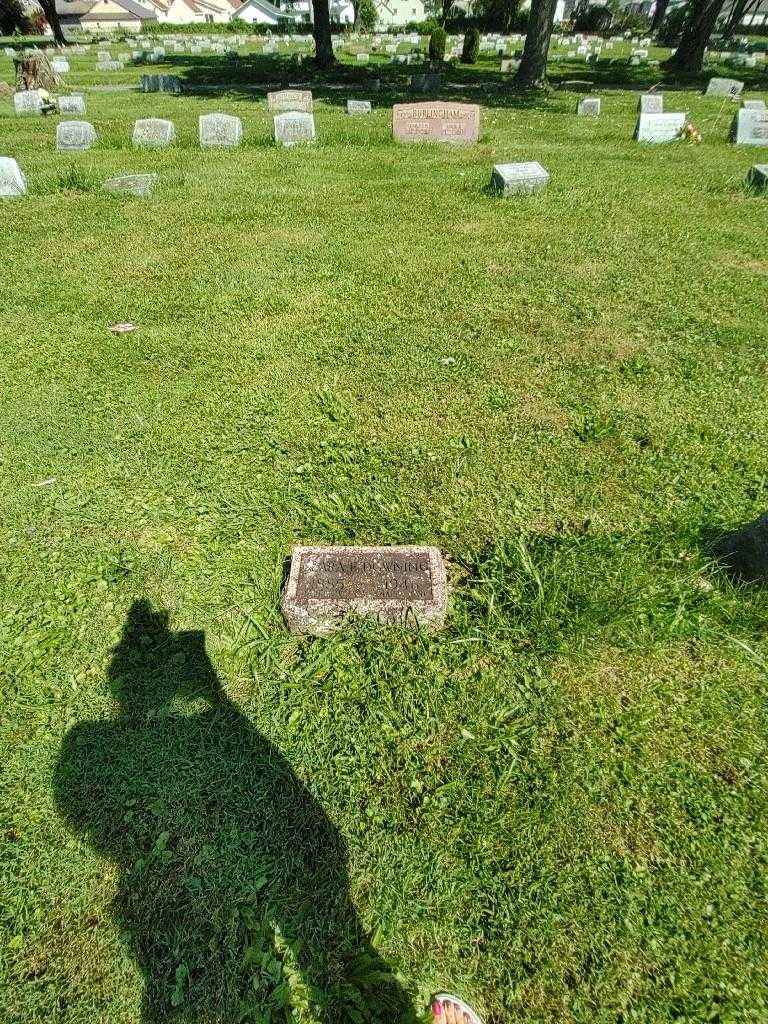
[(367, 15), (593, 18), (437, 43), (471, 47)]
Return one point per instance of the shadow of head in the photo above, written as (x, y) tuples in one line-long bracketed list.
[(151, 665), (744, 552)]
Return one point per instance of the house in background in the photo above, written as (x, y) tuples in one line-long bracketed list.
[(261, 12), (194, 12), (398, 12), (101, 15)]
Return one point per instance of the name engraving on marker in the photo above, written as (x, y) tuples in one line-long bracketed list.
[(404, 585)]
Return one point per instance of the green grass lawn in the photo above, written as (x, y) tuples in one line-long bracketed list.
[(557, 806)]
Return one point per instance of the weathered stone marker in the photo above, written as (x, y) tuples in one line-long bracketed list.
[(358, 107), (750, 127), (72, 135), (153, 131), (30, 102), (217, 130), (12, 181), (758, 176), (589, 107), (71, 104), (436, 122), (294, 128), (399, 586), (724, 87), (651, 103), (660, 127), (289, 99), (132, 184), (516, 179)]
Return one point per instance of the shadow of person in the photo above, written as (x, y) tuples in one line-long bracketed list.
[(233, 890)]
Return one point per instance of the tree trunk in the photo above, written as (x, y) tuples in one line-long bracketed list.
[(532, 73), (36, 73), (689, 55), (738, 12), (355, 12), (49, 10), (447, 5), (659, 14), (322, 32)]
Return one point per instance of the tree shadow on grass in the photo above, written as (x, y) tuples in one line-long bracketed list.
[(233, 890)]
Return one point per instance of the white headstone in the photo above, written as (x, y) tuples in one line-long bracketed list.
[(724, 87), (358, 107), (651, 103), (29, 102), (12, 181), (71, 104), (293, 128), (75, 135), (153, 131), (589, 106), (60, 66), (220, 130), (514, 179), (133, 184), (660, 127), (750, 128)]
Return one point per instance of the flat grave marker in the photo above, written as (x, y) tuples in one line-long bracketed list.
[(750, 127), (519, 179), (358, 107), (71, 104), (399, 586), (724, 87), (589, 107)]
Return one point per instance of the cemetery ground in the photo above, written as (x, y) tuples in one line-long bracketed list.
[(556, 806)]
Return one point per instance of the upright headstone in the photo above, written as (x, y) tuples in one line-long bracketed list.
[(153, 131), (660, 127), (75, 135), (724, 87), (758, 176), (289, 100), (29, 102), (60, 66), (401, 586), (750, 128), (513, 179), (589, 106), (220, 130), (71, 104), (12, 181), (293, 128), (436, 122), (358, 107), (132, 184), (651, 103)]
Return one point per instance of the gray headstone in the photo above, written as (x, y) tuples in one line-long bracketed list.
[(758, 176), (60, 66), (133, 184), (75, 135), (724, 87), (358, 107), (651, 103), (750, 128), (522, 178), (153, 131), (109, 65), (400, 586), (660, 127), (12, 181), (29, 102), (289, 100), (71, 104), (220, 130), (589, 106), (293, 128)]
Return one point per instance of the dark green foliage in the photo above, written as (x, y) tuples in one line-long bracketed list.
[(592, 18), (471, 46), (12, 18), (437, 43), (366, 15), (672, 26)]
